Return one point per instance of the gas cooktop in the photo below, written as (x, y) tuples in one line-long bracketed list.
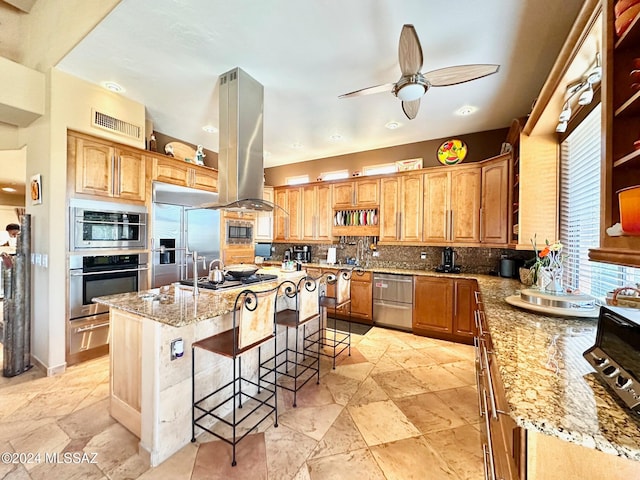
[(230, 282)]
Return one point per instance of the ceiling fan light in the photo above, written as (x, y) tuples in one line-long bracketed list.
[(411, 91), (562, 127), (586, 97), (565, 114)]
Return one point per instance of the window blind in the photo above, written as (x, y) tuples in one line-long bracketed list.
[(580, 160)]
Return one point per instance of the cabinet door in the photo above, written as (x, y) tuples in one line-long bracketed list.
[(204, 180), (264, 220), (342, 194), (433, 304), (170, 171), (324, 215), (131, 175), (465, 205), (362, 297), (389, 207), (436, 207), (235, 255), (95, 168), (463, 307), (411, 208), (494, 215), (280, 223), (294, 201), (367, 192), (309, 209)]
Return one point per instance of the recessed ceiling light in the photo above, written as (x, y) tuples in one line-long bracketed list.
[(209, 129), (392, 125), (336, 137), (296, 146), (113, 86), (466, 110), (8, 189)]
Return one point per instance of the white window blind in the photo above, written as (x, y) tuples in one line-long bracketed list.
[(580, 212)]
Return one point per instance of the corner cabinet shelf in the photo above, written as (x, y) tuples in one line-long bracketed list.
[(362, 222), (621, 121)]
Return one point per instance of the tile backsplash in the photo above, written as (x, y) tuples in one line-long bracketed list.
[(470, 259)]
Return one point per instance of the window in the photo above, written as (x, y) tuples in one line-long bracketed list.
[(379, 169), (580, 212), (336, 175), (297, 180)]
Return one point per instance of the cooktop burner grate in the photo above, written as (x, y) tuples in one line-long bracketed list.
[(230, 282)]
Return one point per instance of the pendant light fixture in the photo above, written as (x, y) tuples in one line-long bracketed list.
[(585, 89)]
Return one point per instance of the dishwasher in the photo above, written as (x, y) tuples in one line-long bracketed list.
[(393, 300)]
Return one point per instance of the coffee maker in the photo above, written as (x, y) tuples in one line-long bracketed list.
[(448, 261), (301, 253)]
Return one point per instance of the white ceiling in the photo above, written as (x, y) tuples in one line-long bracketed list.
[(168, 55)]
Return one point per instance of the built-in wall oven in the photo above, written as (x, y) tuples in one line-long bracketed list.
[(99, 227), (239, 232), (95, 276)]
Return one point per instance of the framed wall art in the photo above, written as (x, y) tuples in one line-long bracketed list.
[(36, 189)]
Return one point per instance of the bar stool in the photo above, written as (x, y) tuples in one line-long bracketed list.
[(336, 341), (296, 363), (253, 325)]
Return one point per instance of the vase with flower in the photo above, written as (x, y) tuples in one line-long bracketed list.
[(548, 267)]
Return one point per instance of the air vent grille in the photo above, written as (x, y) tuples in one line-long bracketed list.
[(115, 125)]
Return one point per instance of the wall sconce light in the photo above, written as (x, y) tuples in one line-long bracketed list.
[(585, 88), (586, 96), (562, 127), (565, 114)]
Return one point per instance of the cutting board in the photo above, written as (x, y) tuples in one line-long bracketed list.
[(183, 151)]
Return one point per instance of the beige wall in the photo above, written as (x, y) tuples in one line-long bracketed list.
[(480, 145)]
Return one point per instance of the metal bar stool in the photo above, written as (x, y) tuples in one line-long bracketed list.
[(295, 362), (253, 325), (336, 341)]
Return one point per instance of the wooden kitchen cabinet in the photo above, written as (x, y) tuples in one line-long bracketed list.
[(317, 215), (264, 220), (178, 172), (106, 169), (361, 295), (443, 308), (362, 192), (401, 209), (235, 254), (494, 210), (436, 200), (621, 127), (288, 223)]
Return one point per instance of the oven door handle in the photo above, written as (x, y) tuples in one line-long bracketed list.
[(85, 274), (105, 222), (91, 327)]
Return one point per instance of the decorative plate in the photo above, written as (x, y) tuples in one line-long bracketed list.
[(452, 152)]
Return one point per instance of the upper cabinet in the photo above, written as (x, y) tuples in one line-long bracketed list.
[(264, 220), (317, 214), (177, 172), (495, 201), (288, 218), (356, 193), (401, 209), (106, 169), (621, 120)]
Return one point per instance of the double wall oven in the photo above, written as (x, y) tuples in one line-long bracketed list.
[(106, 257)]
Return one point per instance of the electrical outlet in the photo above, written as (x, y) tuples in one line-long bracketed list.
[(375, 254), (423, 255), (177, 348)]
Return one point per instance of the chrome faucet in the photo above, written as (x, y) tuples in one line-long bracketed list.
[(359, 251), (196, 258)]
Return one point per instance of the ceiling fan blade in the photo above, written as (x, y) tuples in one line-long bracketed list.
[(387, 87), (459, 74), (409, 51), (411, 108)]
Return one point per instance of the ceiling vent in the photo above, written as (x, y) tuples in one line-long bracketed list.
[(115, 125)]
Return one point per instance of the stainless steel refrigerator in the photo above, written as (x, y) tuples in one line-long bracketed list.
[(180, 229)]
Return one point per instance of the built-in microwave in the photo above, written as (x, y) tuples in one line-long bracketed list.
[(98, 228), (239, 232)]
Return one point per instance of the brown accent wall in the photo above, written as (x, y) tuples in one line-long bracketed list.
[(481, 145), (210, 159)]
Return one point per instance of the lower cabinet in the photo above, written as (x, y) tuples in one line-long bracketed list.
[(234, 255), (443, 308)]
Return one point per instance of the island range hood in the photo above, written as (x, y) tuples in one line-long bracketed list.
[(240, 156)]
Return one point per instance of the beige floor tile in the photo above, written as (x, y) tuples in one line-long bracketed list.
[(178, 467), (6, 467), (372, 350), (12, 430), (46, 440), (302, 474), (132, 467), (342, 437), (465, 370), (18, 473), (62, 471), (463, 401), (429, 413), (442, 355), (369, 391), (310, 395), (311, 421), (461, 448), (411, 459), (53, 402), (357, 371), (11, 402), (213, 460), (410, 358), (381, 422), (342, 388), (287, 451), (401, 383), (113, 446), (435, 377), (87, 422), (345, 466)]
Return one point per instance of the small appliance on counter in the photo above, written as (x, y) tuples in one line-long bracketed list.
[(288, 255), (331, 256), (301, 253), (507, 267), (448, 262)]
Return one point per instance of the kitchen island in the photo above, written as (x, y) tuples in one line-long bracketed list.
[(150, 385)]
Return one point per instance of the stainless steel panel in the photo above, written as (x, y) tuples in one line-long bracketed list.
[(395, 288), (167, 225), (88, 333), (392, 314)]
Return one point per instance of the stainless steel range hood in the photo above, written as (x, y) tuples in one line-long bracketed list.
[(240, 157)]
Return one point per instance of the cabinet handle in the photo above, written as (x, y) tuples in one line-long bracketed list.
[(484, 461), (476, 345), (492, 397), (399, 237), (481, 222), (451, 226), (491, 465), (478, 296), (119, 175)]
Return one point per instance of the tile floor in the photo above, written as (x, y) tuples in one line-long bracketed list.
[(401, 407)]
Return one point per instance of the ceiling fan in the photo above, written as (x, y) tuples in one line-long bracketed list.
[(413, 84)]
